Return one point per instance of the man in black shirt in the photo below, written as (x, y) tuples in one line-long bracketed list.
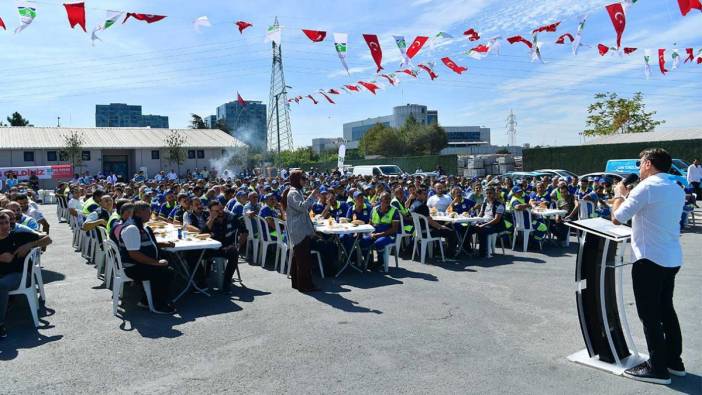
[(14, 247), (223, 226), (436, 229)]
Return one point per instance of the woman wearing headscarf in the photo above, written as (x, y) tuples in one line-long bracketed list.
[(300, 231)]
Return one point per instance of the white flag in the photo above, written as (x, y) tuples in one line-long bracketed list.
[(342, 156), (402, 46), (274, 33), (27, 12), (341, 45), (110, 19), (577, 42), (202, 21), (647, 64), (676, 58)]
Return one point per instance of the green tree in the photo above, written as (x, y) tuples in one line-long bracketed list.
[(196, 122), (176, 154), (382, 140), (222, 125), (611, 114), (73, 142), (16, 120), (426, 140)]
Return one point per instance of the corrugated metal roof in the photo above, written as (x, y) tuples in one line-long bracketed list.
[(679, 134), (114, 138)]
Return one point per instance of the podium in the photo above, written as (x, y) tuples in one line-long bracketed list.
[(599, 300)]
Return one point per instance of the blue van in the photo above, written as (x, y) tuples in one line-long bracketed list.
[(678, 172)]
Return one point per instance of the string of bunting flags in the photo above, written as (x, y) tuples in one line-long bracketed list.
[(76, 14)]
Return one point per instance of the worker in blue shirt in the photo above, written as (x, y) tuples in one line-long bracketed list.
[(386, 221), (360, 210), (519, 205), (540, 197), (167, 206), (236, 204), (583, 190), (318, 207), (268, 212), (176, 215), (334, 209)]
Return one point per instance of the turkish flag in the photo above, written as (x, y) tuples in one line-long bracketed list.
[(148, 18), (616, 14), (547, 28), (603, 49), (376, 51), (370, 86), (687, 5), (327, 97), (390, 79), (312, 98), (240, 100), (661, 61), (352, 87), (333, 91), (453, 66), (409, 72), (76, 14), (417, 44), (2, 24), (472, 34), (561, 39), (629, 51), (690, 54), (315, 35), (519, 39), (242, 26), (428, 69)]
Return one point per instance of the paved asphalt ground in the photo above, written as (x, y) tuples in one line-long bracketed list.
[(503, 325)]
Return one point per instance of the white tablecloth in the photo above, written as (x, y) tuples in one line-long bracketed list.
[(459, 219), (344, 229), (548, 212)]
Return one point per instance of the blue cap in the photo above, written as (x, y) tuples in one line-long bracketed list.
[(323, 189), (516, 189), (357, 194), (602, 180), (569, 179), (268, 195), (335, 184), (241, 193)]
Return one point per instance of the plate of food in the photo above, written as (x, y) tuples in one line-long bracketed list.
[(357, 222)]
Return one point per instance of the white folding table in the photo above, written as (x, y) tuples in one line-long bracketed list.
[(184, 245), (337, 230)]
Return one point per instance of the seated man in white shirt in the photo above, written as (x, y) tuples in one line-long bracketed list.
[(440, 201), (33, 211), (654, 207)]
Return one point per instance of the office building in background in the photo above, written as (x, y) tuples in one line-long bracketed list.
[(120, 115)]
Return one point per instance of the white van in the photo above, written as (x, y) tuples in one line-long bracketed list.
[(377, 170)]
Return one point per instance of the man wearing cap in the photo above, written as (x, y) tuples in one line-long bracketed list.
[(398, 202), (334, 208), (519, 205), (386, 222), (539, 197), (168, 205), (268, 212), (584, 188), (321, 203), (236, 204), (176, 215)]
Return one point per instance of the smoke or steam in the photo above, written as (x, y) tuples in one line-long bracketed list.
[(233, 160)]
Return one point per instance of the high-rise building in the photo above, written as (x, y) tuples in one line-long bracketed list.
[(155, 121), (326, 144), (210, 121), (246, 123), (120, 115)]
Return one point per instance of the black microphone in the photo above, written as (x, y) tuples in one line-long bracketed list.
[(630, 179)]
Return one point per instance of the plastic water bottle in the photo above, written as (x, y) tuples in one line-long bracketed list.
[(180, 234)]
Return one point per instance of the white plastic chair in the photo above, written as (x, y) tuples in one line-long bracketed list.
[(99, 255), (386, 254), (520, 226), (251, 238), (280, 244), (29, 290), (492, 244), (400, 237), (219, 265), (265, 239), (288, 260), (586, 209), (112, 252), (423, 237), (36, 272)]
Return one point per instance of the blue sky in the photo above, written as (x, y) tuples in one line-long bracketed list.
[(50, 70)]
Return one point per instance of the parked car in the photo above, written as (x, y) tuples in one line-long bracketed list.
[(426, 174), (612, 178), (378, 170), (518, 175), (624, 167), (558, 172)]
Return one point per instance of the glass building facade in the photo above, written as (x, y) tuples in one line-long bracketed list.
[(120, 115), (246, 123)]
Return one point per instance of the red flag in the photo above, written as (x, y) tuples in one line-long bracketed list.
[(376, 51), (629, 51), (242, 26), (699, 60), (472, 34), (352, 87), (690, 54), (687, 5), (661, 61), (333, 91), (390, 79), (76, 14), (148, 18), (409, 72), (603, 49), (2, 24), (240, 99), (417, 44), (327, 97), (618, 17), (561, 39), (453, 66), (370, 86), (519, 39), (428, 69), (312, 98), (546, 28), (315, 35)]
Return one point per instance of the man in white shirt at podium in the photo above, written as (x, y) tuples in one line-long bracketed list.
[(654, 206)]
